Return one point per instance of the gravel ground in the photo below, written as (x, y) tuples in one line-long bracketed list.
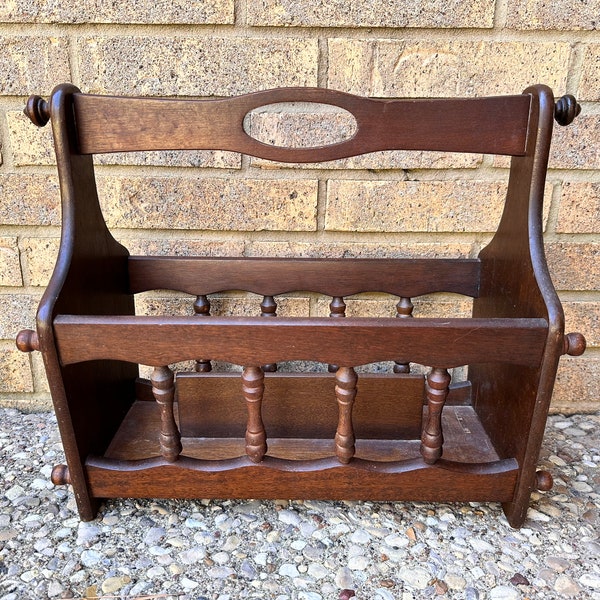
[(305, 550)]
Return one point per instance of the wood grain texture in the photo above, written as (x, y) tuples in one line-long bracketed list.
[(253, 388), (345, 393), (255, 341), (91, 341), (163, 389), (325, 479), (513, 401), (90, 275), (467, 441), (388, 407), (436, 391), (113, 124), (333, 277)]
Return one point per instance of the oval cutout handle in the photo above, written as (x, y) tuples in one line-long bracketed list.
[(300, 125), (358, 108)]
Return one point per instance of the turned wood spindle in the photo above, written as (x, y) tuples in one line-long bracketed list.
[(345, 391), (202, 309), (404, 310), (268, 308), (337, 310), (163, 388), (253, 387), (432, 439)]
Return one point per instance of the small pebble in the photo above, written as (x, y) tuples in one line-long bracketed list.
[(289, 570), (192, 556), (91, 558), (188, 584), (503, 592), (583, 487), (114, 584), (557, 563), (344, 578), (482, 546), (318, 571), (221, 558), (471, 593), (455, 582), (591, 580), (358, 562), (220, 572), (154, 535), (360, 536), (566, 586), (289, 517), (247, 570), (518, 579), (55, 589), (415, 577)]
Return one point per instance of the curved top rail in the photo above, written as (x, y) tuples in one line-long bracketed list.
[(496, 125)]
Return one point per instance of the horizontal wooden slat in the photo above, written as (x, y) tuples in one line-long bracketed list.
[(256, 341), (334, 277), (495, 125), (322, 479), (389, 406)]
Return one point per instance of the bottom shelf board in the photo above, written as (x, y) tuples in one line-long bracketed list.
[(465, 440), (217, 467)]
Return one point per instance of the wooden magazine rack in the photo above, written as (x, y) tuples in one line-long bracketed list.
[(329, 435)]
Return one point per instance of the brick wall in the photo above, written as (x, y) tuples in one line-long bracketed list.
[(403, 204)]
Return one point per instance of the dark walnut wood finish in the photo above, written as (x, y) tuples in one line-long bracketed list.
[(264, 433)]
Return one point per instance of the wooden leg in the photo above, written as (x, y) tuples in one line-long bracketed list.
[(163, 388), (345, 391), (256, 437), (432, 439)]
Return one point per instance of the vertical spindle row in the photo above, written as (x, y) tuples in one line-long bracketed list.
[(253, 388), (345, 391), (163, 388), (268, 308), (202, 309), (404, 310), (436, 390), (337, 310)]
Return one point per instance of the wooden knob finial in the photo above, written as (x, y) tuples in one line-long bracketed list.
[(575, 344), (544, 481), (566, 109), (27, 340), (37, 110), (60, 475)]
